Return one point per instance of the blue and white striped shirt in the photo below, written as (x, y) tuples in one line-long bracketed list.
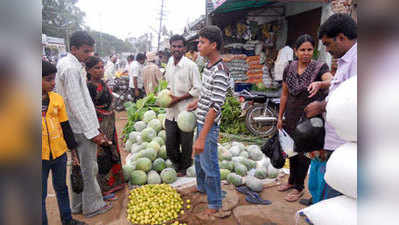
[(215, 82)]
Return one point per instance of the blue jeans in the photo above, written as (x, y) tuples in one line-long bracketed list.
[(207, 168), (58, 170), (317, 186)]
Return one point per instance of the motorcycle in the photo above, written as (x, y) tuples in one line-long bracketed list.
[(121, 92), (261, 111)]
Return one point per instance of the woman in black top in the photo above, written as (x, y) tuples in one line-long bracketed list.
[(303, 80)]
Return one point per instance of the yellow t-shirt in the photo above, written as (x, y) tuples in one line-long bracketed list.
[(52, 136)]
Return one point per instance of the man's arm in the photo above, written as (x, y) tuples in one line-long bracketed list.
[(199, 144), (315, 108), (195, 89)]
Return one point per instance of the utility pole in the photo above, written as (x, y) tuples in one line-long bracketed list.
[(101, 34), (160, 25)]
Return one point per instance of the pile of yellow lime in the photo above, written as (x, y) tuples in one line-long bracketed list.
[(154, 204)]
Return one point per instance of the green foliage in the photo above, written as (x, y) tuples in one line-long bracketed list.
[(60, 17), (231, 121)]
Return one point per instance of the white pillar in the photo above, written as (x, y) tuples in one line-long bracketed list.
[(324, 56)]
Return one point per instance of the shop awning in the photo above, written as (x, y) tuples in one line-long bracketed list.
[(236, 5)]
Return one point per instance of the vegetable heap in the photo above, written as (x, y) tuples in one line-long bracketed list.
[(237, 161), (154, 204)]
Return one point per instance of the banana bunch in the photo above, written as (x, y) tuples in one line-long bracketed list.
[(265, 30), (228, 31), (241, 28)]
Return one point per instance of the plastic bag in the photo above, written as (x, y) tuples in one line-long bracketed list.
[(272, 149), (287, 143), (309, 134)]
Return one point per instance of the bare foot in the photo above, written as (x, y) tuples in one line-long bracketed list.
[(192, 189), (207, 215)]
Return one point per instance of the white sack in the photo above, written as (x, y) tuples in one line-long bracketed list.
[(342, 110), (340, 210), (341, 170)]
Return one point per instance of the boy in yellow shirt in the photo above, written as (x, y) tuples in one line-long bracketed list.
[(57, 137)]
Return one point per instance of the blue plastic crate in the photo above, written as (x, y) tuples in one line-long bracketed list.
[(241, 86)]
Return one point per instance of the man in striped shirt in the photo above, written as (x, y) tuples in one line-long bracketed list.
[(215, 82)]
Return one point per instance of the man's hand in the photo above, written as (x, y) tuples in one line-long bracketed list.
[(315, 108), (314, 88), (198, 147), (136, 92), (101, 140), (192, 106), (174, 101), (75, 157)]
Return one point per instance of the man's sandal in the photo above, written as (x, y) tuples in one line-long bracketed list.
[(294, 196)]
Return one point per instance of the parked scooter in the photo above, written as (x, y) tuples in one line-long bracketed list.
[(261, 111)]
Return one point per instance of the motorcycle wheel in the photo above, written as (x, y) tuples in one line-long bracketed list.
[(260, 129)]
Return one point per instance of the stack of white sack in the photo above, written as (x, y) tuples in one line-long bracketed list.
[(341, 168)]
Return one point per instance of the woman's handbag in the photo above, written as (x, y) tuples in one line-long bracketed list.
[(105, 160)]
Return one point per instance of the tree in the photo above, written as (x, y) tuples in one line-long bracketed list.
[(107, 44), (61, 17)]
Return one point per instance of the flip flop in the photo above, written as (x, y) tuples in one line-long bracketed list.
[(285, 187), (110, 197), (104, 209), (306, 201), (256, 199), (294, 197), (251, 196), (243, 189)]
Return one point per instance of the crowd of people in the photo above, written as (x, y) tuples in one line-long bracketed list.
[(77, 115)]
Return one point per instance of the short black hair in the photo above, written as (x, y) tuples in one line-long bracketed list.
[(140, 56), (80, 38), (48, 68), (130, 57), (304, 38), (213, 34), (339, 23), (92, 61), (177, 37)]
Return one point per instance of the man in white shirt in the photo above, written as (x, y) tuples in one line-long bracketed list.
[(109, 72), (71, 84), (285, 55), (184, 83), (136, 76), (129, 59)]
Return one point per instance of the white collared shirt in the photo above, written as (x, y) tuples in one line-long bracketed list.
[(136, 70), (182, 78), (71, 85)]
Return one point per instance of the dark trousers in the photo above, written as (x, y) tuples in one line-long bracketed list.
[(176, 138), (299, 166), (58, 170)]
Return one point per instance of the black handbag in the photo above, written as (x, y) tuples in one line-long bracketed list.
[(105, 160), (76, 179), (272, 149), (309, 134)]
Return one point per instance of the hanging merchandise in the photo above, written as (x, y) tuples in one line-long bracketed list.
[(237, 66), (228, 31)]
